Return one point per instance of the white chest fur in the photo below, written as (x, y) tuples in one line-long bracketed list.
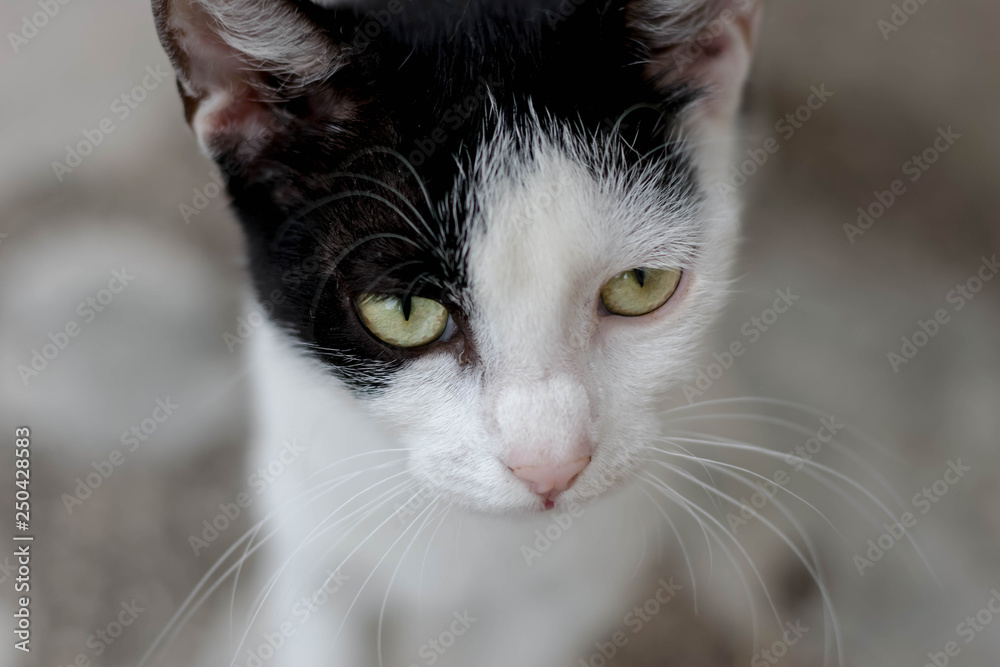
[(434, 576)]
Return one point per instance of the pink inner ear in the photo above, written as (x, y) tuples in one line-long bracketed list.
[(210, 64), (236, 110), (219, 84), (717, 57), (235, 59), (225, 118), (717, 46)]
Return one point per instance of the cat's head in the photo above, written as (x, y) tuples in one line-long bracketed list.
[(494, 222)]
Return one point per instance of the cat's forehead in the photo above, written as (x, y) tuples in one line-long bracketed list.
[(433, 84), (557, 216), (527, 192), (506, 178), (516, 240)]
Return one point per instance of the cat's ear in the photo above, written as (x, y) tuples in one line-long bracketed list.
[(240, 66), (708, 43)]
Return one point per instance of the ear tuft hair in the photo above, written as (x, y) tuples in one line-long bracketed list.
[(234, 57), (708, 43), (667, 23)]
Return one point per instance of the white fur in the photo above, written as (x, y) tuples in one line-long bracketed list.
[(547, 369)]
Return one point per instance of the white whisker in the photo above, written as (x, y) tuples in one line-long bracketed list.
[(686, 505), (388, 588), (802, 430), (739, 546), (680, 540), (374, 569), (642, 550), (732, 444), (319, 528), (724, 468), (874, 444), (827, 601), (427, 551), (190, 606)]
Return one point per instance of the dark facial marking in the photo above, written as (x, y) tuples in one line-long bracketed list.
[(367, 205)]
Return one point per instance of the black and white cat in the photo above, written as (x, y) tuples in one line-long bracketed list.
[(485, 239)]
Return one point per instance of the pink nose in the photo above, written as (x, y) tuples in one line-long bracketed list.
[(549, 479)]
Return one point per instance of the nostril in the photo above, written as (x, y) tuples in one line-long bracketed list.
[(550, 478)]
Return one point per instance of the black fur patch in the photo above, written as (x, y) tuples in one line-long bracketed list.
[(332, 211)]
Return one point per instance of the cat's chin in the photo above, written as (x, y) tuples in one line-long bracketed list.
[(530, 505), (512, 508)]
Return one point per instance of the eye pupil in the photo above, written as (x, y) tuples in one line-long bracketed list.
[(639, 291), (407, 321)]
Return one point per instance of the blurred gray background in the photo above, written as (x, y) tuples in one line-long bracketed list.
[(63, 235)]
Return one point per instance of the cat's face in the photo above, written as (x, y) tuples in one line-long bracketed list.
[(497, 228)]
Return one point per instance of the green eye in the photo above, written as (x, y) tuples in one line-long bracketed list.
[(639, 291), (410, 322)]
